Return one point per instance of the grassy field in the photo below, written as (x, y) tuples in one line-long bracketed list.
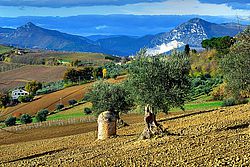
[(216, 138), (19, 77), (74, 112), (84, 56), (4, 49), (202, 103)]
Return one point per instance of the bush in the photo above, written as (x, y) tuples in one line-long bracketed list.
[(229, 102), (23, 99), (72, 102), (59, 106), (25, 119), (232, 101), (114, 76), (242, 101), (218, 92), (87, 111), (4, 100), (11, 121), (42, 115)]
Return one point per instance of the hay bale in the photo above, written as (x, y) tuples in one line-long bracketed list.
[(106, 125)]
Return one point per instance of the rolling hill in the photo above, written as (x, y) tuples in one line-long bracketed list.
[(32, 36)]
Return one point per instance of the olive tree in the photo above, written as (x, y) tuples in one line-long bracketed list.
[(236, 66), (25, 119), (159, 84), (42, 115), (109, 97), (33, 86)]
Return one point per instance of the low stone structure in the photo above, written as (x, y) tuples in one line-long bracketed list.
[(106, 125)]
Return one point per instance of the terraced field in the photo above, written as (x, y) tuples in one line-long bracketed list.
[(211, 138)]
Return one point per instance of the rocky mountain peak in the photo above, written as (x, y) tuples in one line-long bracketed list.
[(27, 26), (196, 20)]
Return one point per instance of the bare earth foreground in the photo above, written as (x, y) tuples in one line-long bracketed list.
[(212, 138)]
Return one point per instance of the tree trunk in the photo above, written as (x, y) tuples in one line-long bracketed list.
[(152, 127), (120, 122)]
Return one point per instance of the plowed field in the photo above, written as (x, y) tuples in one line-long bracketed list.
[(19, 77), (214, 138)]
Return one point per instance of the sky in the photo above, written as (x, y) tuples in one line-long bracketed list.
[(64, 8)]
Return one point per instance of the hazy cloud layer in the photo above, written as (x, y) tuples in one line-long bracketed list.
[(235, 4), (71, 3), (135, 25), (14, 8)]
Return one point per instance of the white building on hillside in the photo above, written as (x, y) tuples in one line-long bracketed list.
[(17, 93)]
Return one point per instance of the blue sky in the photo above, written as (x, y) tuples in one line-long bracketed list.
[(63, 8)]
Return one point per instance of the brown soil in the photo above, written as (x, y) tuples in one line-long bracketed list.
[(214, 138), (19, 77)]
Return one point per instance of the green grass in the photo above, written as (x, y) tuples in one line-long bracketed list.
[(83, 56), (63, 116), (202, 103), (74, 112), (4, 49)]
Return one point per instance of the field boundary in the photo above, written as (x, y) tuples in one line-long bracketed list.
[(45, 124)]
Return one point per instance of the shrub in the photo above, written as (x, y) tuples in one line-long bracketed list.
[(229, 102), (87, 111), (114, 75), (11, 121), (42, 115), (232, 101), (72, 102), (242, 101), (4, 100), (23, 99), (218, 92), (25, 119), (59, 106)]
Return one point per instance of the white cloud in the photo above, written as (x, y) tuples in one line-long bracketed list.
[(183, 7), (101, 27), (163, 48), (168, 7)]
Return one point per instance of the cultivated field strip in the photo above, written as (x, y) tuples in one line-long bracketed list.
[(19, 77), (213, 138)]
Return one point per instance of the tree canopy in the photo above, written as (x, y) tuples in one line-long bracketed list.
[(161, 83), (33, 86), (75, 75), (221, 44), (236, 65), (109, 97)]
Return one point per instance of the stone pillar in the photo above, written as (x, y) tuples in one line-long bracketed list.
[(106, 125)]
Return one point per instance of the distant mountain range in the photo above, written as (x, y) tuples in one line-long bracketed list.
[(191, 32)]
